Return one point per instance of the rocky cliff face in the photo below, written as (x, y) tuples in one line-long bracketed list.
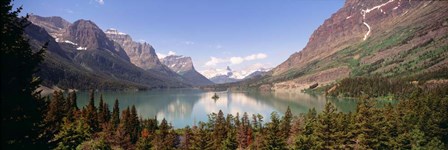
[(88, 36), (366, 37), (179, 64), (184, 67), (53, 25), (142, 55)]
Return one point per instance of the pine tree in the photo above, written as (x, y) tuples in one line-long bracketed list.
[(273, 134), (20, 103), (91, 115), (202, 138), (255, 123), (115, 115), (326, 128), (72, 134), (126, 120), (230, 142), (71, 107), (364, 129), (244, 133), (106, 112), (219, 130), (389, 128), (72, 97), (134, 125), (166, 138), (54, 116), (101, 115), (285, 125), (308, 138), (121, 137)]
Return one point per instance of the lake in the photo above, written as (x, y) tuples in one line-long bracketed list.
[(182, 107)]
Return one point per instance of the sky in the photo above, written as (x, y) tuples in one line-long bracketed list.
[(215, 33)]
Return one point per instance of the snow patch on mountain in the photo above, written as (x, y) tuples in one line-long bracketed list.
[(114, 31), (69, 42), (364, 12), (81, 48)]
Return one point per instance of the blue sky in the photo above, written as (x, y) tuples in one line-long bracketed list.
[(215, 33)]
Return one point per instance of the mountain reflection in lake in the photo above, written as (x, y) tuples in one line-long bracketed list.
[(182, 107)]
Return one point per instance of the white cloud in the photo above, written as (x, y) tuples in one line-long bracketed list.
[(101, 2), (213, 61), (161, 55), (255, 56), (171, 53), (188, 43), (261, 56), (236, 60)]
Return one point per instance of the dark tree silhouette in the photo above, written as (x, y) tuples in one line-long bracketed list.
[(20, 102)]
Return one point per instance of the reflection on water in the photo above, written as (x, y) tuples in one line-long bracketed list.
[(183, 107)]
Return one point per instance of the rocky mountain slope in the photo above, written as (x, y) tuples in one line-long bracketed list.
[(81, 56), (88, 36), (142, 55), (53, 25), (391, 38), (184, 66)]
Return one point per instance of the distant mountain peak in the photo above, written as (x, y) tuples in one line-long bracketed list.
[(228, 75), (183, 65), (178, 63), (229, 71)]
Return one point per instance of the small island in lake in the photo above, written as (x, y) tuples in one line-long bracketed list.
[(215, 97)]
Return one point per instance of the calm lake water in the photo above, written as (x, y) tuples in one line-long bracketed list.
[(182, 107)]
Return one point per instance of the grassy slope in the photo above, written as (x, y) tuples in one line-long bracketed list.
[(410, 50)]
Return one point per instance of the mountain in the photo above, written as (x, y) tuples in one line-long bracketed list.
[(88, 36), (81, 56), (53, 25), (393, 38), (221, 77), (229, 76), (256, 74), (142, 55), (184, 67)]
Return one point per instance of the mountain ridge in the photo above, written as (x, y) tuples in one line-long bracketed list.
[(82, 57)]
